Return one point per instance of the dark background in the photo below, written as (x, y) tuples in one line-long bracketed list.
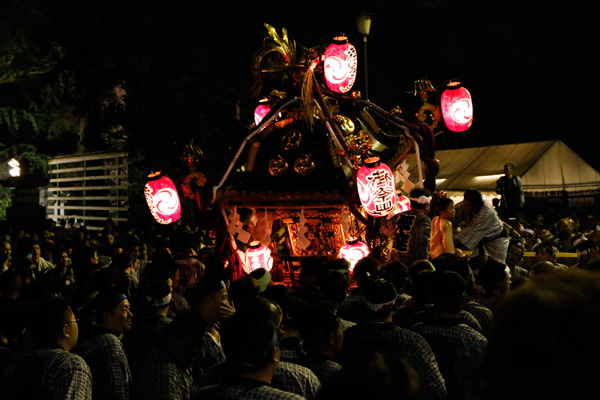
[(530, 67)]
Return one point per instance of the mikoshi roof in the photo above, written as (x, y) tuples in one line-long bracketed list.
[(543, 166)]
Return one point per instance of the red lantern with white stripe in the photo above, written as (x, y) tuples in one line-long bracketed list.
[(259, 256), (457, 107), (162, 198), (340, 65), (376, 187), (261, 111), (354, 251), (403, 203)]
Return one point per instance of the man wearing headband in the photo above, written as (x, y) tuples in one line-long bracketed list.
[(410, 230), (547, 252), (102, 348), (587, 252), (288, 376), (49, 370), (150, 325), (167, 371), (323, 336), (210, 300), (252, 349), (482, 229), (378, 333), (459, 349)]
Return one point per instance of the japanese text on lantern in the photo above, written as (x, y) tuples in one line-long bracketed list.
[(377, 191)]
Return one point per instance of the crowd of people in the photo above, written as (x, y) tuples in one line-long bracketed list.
[(448, 310)]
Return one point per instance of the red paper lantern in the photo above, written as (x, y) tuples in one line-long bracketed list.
[(162, 198), (457, 107), (376, 187), (259, 256), (340, 64), (260, 112), (353, 251)]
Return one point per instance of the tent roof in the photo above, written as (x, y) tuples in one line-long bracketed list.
[(542, 166)]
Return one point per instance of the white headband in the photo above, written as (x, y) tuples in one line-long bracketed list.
[(379, 306), (579, 240), (421, 199), (159, 302), (594, 230)]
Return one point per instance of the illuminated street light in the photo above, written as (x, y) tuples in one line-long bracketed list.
[(15, 168)]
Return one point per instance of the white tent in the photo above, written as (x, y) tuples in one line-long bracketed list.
[(543, 166)]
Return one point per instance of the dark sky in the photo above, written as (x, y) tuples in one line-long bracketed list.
[(530, 66)]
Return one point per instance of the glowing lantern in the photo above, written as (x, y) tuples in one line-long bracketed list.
[(259, 256), (457, 107), (354, 251), (162, 198), (403, 203), (376, 187), (340, 64), (260, 112), (15, 168)]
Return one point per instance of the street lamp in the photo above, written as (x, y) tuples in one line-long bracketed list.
[(15, 168), (363, 24)]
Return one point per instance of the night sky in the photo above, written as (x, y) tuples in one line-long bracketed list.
[(530, 66)]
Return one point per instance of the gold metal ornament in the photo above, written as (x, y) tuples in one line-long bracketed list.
[(427, 111), (276, 53), (345, 123), (278, 166)]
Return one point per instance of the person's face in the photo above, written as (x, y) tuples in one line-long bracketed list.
[(564, 227), (143, 253), (449, 212), (468, 205), (119, 320), (6, 251), (218, 299), (211, 306), (36, 252), (135, 252), (514, 255), (542, 255), (508, 170), (63, 260), (95, 259), (541, 232)]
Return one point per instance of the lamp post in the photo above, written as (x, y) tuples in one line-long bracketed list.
[(363, 24)]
